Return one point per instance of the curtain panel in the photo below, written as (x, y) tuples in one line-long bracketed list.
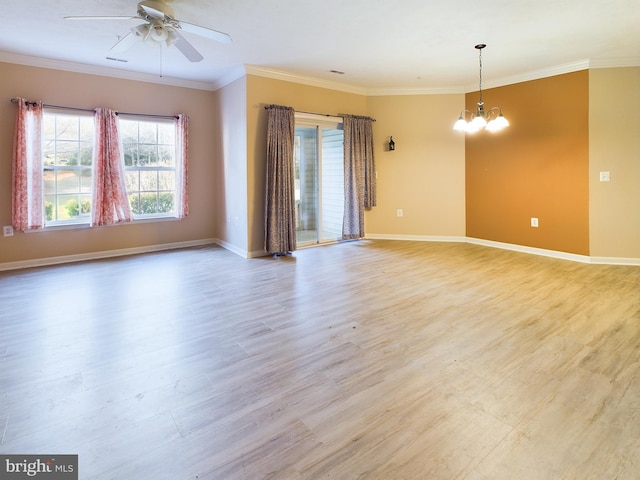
[(359, 174), (110, 203), (280, 233), (182, 164), (27, 202)]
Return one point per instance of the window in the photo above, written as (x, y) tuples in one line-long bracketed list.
[(149, 149), (67, 155), (150, 165)]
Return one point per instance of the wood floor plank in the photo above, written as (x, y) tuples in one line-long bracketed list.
[(360, 360)]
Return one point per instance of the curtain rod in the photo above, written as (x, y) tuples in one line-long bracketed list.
[(266, 107), (62, 107)]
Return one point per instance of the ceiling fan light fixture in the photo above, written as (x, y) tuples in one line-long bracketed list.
[(141, 31), (172, 38), (160, 27), (491, 119), (158, 33)]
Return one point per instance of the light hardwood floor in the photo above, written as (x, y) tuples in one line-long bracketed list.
[(364, 360)]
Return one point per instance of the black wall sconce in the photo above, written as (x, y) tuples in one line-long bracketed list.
[(392, 144)]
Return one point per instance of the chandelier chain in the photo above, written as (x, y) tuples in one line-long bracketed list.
[(480, 61)]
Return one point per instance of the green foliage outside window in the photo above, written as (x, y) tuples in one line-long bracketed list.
[(150, 203), (73, 210)]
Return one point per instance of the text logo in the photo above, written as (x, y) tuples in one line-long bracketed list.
[(44, 467)]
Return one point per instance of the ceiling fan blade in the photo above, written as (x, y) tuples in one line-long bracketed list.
[(125, 43), (81, 17), (187, 49), (205, 32), (152, 12)]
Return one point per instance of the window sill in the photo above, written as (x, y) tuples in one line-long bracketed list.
[(86, 226)]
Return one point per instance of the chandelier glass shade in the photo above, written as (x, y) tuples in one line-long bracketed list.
[(490, 119)]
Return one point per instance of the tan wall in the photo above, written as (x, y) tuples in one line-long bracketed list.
[(424, 176), (538, 167), (263, 91), (89, 91), (230, 181), (614, 146)]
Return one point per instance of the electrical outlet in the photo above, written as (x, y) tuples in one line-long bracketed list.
[(605, 176), (399, 212), (7, 231), (534, 222)]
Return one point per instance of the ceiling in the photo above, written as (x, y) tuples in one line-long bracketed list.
[(380, 45)]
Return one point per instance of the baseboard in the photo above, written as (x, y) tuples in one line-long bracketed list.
[(83, 257), (531, 250), (42, 262), (615, 261), (512, 247), (416, 238)]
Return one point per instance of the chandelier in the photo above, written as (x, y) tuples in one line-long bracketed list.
[(491, 119)]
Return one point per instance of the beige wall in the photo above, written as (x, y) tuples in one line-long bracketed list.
[(230, 180), (90, 91), (614, 146), (424, 175), (264, 91)]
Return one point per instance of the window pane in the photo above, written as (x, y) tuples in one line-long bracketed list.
[(49, 153), (166, 156), (86, 204), (165, 202), (147, 155), (66, 153), (148, 133), (130, 151), (86, 129), (85, 180), (148, 181), (128, 131), (49, 180), (49, 207), (167, 181), (148, 203), (86, 154), (68, 181), (67, 128), (67, 207), (132, 180), (49, 126), (134, 203), (166, 133)]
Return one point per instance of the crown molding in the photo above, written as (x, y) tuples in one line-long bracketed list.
[(41, 62), (621, 62), (380, 92), (311, 81), (240, 71)]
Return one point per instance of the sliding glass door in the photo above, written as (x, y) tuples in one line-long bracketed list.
[(319, 180)]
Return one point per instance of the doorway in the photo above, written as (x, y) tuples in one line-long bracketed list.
[(319, 179)]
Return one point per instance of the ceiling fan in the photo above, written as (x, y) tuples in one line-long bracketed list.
[(161, 26)]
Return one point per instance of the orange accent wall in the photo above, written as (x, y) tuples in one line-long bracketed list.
[(537, 167)]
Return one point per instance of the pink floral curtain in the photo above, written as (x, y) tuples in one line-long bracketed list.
[(110, 202), (182, 171), (27, 206), (359, 174)]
